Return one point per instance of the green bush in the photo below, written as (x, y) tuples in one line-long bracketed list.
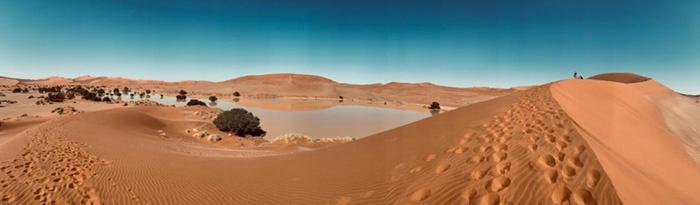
[(434, 106), (239, 121), (194, 102)]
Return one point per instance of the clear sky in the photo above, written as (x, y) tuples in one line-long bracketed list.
[(459, 43)]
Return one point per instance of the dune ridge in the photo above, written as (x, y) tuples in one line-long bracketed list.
[(624, 125)]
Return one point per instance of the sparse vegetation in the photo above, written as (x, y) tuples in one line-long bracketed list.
[(434, 106), (239, 121), (17, 90), (182, 96), (236, 94), (213, 98), (194, 102), (56, 97)]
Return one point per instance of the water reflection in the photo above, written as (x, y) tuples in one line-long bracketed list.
[(341, 120)]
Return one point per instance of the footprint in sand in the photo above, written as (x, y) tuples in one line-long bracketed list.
[(500, 147), (498, 183), (532, 147), (499, 156), (468, 195), (561, 145), (442, 168), (592, 178), (568, 171), (574, 161), (579, 149), (430, 157), (560, 194), (415, 170), (560, 156), (488, 199), (583, 197), (476, 159), (547, 160), (477, 174), (460, 150), (503, 167), (550, 176), (420, 195)]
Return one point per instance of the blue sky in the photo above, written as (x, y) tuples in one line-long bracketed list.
[(458, 43)]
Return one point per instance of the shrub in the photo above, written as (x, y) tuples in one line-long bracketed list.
[(213, 98), (236, 94), (194, 102), (180, 98), (91, 96), (56, 97), (434, 106), (239, 121), (107, 99), (183, 92), (25, 90), (17, 90)]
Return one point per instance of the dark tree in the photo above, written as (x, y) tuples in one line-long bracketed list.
[(92, 96), (56, 97), (239, 121), (213, 98), (126, 90), (25, 90), (194, 102), (434, 106), (236, 94), (17, 90), (183, 92), (101, 92), (107, 99), (148, 92), (116, 91)]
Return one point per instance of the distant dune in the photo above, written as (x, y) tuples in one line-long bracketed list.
[(293, 85), (621, 77)]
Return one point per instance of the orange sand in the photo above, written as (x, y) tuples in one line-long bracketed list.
[(523, 148)]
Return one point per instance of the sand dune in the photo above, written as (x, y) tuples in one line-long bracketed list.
[(569, 142), (624, 125)]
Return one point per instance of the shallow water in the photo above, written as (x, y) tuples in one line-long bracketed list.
[(337, 121)]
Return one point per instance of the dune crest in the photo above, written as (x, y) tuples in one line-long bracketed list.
[(645, 160)]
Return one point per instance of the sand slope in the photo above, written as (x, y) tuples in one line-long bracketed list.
[(518, 149), (625, 127)]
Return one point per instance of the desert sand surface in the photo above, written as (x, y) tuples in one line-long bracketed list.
[(624, 123), (567, 142)]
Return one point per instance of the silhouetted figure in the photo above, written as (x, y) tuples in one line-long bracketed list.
[(575, 73)]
